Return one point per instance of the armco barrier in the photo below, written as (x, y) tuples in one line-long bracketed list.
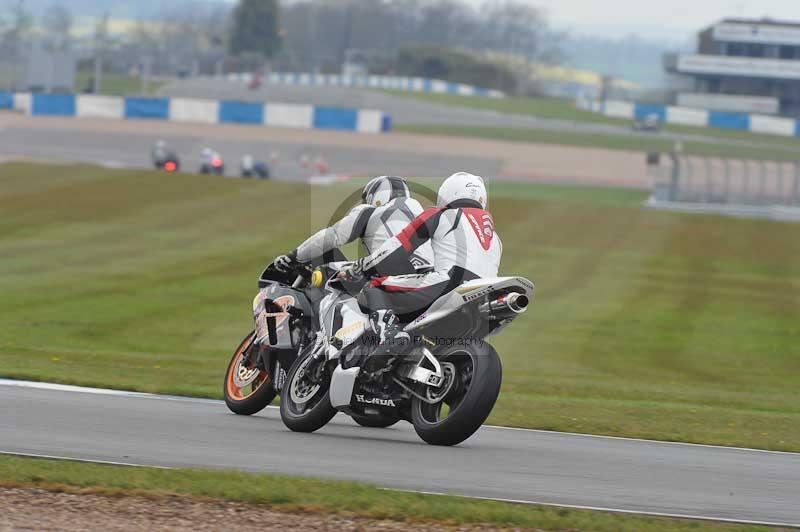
[(241, 113), (195, 110), (729, 120), (772, 125), (332, 118), (152, 108), (400, 83), (289, 115), (53, 104), (93, 106)]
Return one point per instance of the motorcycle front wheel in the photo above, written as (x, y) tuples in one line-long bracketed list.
[(472, 377), (247, 388), (305, 400)]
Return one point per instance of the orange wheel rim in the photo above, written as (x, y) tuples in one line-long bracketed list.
[(234, 391)]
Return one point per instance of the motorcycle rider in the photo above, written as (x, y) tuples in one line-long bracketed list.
[(465, 247), (386, 208)]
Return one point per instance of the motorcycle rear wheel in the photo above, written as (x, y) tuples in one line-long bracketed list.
[(305, 403), (259, 390), (473, 374)]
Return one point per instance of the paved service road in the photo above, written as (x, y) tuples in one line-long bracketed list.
[(522, 465)]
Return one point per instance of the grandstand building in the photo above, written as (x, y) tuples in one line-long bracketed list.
[(742, 65)]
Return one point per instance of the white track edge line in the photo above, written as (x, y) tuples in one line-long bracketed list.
[(146, 395), (84, 460), (475, 497), (600, 508)]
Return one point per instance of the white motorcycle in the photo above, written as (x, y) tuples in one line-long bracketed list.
[(445, 383)]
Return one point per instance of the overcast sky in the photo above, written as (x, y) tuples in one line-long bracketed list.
[(662, 19)]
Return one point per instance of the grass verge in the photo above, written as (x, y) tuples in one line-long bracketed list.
[(324, 496), (116, 84), (645, 324), (643, 142)]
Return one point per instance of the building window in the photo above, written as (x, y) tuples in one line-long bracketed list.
[(755, 50), (789, 52), (736, 49)]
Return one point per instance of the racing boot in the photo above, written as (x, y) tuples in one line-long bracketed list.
[(387, 327)]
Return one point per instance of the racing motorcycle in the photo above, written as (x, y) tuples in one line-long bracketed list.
[(445, 382), (215, 167), (286, 313)]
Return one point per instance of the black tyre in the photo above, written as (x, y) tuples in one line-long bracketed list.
[(473, 375), (305, 400), (247, 389), (375, 422)]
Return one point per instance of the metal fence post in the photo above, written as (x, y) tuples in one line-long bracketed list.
[(709, 179), (675, 177), (762, 179), (726, 179), (746, 178), (796, 191)]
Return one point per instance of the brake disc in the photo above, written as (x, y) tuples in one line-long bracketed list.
[(244, 376)]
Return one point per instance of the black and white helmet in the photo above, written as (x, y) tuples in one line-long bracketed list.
[(384, 189)]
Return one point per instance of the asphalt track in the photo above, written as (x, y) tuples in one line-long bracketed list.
[(127, 143), (126, 148), (509, 464)]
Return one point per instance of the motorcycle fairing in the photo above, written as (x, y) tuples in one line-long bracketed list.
[(470, 291)]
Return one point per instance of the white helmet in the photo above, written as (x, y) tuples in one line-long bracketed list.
[(462, 186), (384, 189)]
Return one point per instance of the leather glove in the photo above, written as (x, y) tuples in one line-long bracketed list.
[(283, 263), (355, 269)]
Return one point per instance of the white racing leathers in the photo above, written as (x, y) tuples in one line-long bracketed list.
[(374, 226), (465, 247)]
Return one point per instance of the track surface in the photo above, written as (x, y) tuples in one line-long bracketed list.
[(521, 465), (127, 143), (129, 147)]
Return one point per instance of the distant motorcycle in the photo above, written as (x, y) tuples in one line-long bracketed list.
[(164, 158), (212, 164), (253, 168), (650, 123)]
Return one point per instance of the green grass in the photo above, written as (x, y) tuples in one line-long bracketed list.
[(116, 84), (645, 324), (564, 109), (350, 498), (643, 142)]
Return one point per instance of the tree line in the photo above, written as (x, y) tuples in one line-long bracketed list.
[(414, 37)]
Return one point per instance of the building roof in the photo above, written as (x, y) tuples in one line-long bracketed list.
[(764, 20)]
